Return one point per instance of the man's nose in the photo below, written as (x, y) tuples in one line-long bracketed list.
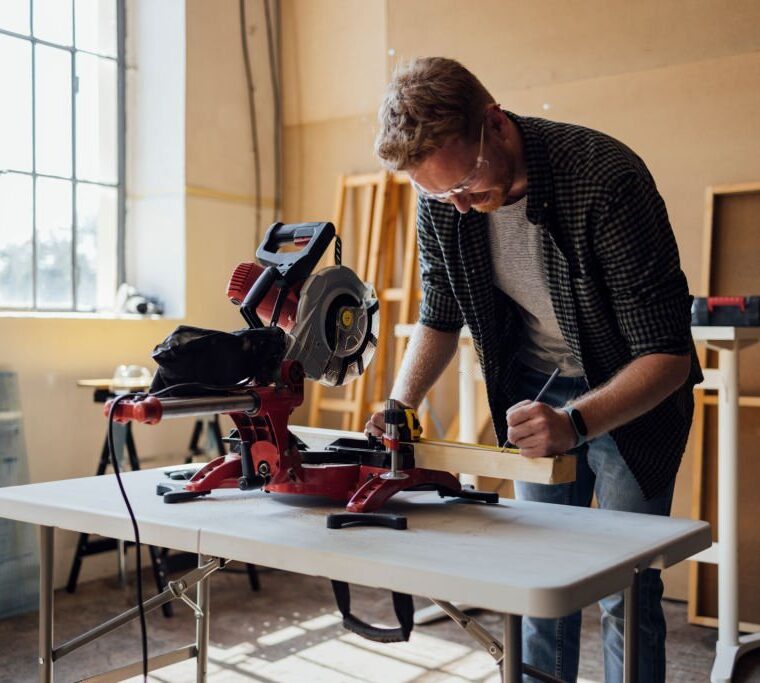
[(462, 202)]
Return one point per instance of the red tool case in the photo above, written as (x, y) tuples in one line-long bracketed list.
[(732, 311)]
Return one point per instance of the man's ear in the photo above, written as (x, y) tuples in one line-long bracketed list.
[(496, 120)]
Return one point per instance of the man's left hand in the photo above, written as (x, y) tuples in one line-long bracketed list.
[(538, 429)]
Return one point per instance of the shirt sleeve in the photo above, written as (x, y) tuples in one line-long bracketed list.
[(636, 249), (439, 308)]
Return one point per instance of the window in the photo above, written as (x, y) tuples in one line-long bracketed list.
[(61, 154)]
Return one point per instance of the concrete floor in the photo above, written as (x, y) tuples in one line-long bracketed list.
[(289, 633)]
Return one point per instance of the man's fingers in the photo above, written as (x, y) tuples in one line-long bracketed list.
[(530, 441), (539, 450), (518, 434), (518, 413), (519, 405), (375, 425)]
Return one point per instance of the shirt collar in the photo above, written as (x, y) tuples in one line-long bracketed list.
[(540, 184)]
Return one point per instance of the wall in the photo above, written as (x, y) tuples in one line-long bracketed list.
[(64, 429), (678, 83)]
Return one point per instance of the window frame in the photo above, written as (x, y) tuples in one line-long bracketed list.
[(119, 186)]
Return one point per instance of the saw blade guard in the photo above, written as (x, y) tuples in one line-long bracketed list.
[(337, 328)]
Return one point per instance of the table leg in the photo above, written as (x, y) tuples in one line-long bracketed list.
[(45, 660), (728, 462), (729, 646), (631, 636), (511, 671), (202, 623)]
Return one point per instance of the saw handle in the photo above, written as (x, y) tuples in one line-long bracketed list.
[(288, 268), (294, 266), (403, 605), (256, 295), (148, 411)]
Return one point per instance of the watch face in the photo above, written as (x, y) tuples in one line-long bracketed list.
[(580, 425)]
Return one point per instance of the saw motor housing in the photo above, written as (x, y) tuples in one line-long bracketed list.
[(331, 317)]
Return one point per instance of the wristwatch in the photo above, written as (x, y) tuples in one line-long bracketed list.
[(579, 425)]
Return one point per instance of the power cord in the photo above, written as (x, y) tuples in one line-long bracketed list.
[(252, 115), (138, 558), (273, 47), (115, 464)]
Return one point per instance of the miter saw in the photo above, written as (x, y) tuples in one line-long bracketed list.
[(321, 326)]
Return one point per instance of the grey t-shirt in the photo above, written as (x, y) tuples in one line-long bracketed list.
[(517, 263)]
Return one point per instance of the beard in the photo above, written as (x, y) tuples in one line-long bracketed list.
[(486, 202)]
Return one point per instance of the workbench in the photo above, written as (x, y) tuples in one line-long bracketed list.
[(517, 558)]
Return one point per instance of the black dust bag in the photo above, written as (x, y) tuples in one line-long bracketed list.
[(222, 359)]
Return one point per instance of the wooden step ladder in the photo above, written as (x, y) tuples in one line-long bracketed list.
[(368, 213)]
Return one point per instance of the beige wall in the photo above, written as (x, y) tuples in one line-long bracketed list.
[(678, 82)]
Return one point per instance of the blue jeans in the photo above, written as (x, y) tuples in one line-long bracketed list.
[(553, 645)]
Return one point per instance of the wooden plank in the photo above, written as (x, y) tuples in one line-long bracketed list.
[(408, 314), (392, 294), (744, 401), (448, 456), (735, 188), (360, 180), (698, 424), (712, 622), (336, 404)]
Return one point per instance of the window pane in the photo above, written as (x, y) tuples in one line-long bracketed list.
[(16, 119), (95, 26), (53, 110), (96, 247), (16, 287), (53, 21), (14, 16), (96, 119), (54, 243)]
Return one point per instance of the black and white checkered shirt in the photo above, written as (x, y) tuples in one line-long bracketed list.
[(613, 271)]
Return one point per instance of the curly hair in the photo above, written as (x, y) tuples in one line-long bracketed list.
[(428, 101)]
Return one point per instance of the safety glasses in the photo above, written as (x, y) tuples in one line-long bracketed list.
[(464, 185)]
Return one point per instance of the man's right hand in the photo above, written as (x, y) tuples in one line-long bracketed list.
[(376, 424), (426, 357)]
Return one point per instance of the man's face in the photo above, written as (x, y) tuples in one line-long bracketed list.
[(467, 175)]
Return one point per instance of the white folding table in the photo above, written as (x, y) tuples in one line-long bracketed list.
[(727, 341), (517, 558)]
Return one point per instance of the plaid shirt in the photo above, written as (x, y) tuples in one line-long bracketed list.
[(613, 271)]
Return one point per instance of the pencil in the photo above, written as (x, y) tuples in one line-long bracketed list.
[(546, 386), (539, 396)]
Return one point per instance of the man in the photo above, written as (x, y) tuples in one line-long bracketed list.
[(551, 242)]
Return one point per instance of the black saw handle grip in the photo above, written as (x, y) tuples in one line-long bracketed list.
[(403, 605), (294, 266)]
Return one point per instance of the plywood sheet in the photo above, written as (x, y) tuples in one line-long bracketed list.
[(735, 268), (749, 513)]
